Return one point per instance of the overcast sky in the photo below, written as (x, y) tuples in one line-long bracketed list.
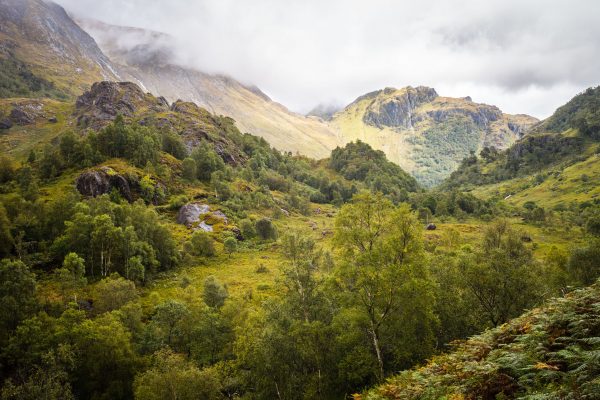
[(523, 56)]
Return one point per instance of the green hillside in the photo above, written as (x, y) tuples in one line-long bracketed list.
[(548, 353)]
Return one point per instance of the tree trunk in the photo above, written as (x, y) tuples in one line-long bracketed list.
[(375, 338)]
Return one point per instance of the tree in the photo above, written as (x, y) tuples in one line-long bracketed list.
[(172, 144), (200, 244), (384, 279), (188, 169), (215, 293), (265, 229), (49, 381), (299, 272), (502, 274), (173, 377), (112, 293), (17, 295), (230, 245), (584, 263), (6, 238), (167, 316), (106, 239), (72, 274), (207, 161)]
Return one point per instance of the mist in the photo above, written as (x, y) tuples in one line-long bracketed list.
[(523, 56)]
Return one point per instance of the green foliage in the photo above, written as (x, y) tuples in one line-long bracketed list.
[(17, 80), (383, 273), (207, 161), (215, 293), (72, 274), (230, 245), (502, 274), (108, 236), (580, 112), (200, 244), (17, 295), (584, 263), (134, 142), (548, 353), (172, 144), (265, 229), (113, 293), (173, 377), (439, 146), (358, 161), (189, 168)]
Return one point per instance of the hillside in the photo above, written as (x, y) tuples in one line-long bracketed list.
[(428, 135), (148, 57), (42, 51), (555, 165), (548, 353)]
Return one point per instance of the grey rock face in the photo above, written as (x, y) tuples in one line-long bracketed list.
[(190, 214), (105, 100), (397, 112), (98, 182), (26, 113), (5, 123)]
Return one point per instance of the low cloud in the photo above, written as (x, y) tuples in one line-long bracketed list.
[(524, 56)]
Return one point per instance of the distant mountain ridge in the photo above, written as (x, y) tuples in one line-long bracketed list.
[(426, 134)]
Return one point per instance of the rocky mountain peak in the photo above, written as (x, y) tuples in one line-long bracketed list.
[(105, 100), (394, 108)]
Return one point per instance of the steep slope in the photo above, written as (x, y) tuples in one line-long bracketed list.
[(148, 58), (555, 166), (548, 353), (43, 45), (426, 134)]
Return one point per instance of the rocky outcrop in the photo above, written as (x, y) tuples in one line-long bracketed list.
[(199, 216), (190, 214), (5, 123), (105, 100), (100, 181), (482, 115), (397, 111), (26, 112)]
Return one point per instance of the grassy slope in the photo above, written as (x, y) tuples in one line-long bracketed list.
[(19, 140)]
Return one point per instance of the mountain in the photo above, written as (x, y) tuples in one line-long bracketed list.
[(556, 165), (148, 58), (44, 47), (548, 353), (427, 134), (44, 53)]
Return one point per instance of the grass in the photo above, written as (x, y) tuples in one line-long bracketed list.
[(576, 183)]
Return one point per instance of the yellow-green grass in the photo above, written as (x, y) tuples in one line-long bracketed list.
[(578, 183), (19, 140)]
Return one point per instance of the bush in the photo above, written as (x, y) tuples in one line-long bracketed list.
[(200, 244), (265, 229)]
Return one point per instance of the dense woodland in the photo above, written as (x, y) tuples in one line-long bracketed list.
[(81, 318)]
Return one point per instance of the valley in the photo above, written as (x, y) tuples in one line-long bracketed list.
[(166, 233)]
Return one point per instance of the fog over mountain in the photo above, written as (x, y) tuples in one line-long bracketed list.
[(525, 57)]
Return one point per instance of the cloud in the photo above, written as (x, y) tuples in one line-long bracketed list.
[(524, 56)]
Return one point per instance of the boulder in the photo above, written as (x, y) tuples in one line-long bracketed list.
[(190, 214), (5, 123), (26, 113), (98, 182), (431, 227)]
